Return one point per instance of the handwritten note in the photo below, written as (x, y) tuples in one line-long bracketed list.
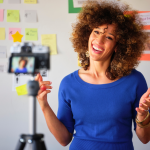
[(1, 1), (30, 16), (3, 51), (50, 41), (13, 16), (1, 14), (145, 18), (3, 67), (13, 31), (2, 33), (31, 34), (30, 1), (14, 1), (22, 90)]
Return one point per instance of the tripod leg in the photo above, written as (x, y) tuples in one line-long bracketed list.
[(43, 145), (21, 144), (38, 145)]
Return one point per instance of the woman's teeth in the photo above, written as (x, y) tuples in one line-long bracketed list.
[(97, 48)]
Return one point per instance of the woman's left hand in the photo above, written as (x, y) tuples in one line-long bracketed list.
[(144, 106)]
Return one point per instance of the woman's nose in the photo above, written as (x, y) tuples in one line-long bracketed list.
[(100, 39)]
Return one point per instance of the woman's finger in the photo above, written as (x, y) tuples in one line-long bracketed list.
[(37, 77), (44, 83), (40, 77), (143, 106), (140, 111), (147, 101), (43, 93), (44, 88)]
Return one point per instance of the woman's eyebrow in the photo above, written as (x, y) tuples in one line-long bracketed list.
[(111, 34), (104, 29)]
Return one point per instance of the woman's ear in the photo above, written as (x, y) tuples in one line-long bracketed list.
[(115, 49)]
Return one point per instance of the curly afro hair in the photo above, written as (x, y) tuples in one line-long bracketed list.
[(130, 36)]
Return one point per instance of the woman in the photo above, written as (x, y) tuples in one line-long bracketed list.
[(100, 100), (22, 66)]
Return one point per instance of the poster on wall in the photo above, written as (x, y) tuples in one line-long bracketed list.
[(74, 6), (145, 18), (22, 79)]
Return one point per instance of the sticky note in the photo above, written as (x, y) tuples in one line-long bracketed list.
[(31, 34), (1, 14), (3, 51), (2, 33), (13, 31), (30, 1), (22, 90), (30, 16), (1, 1), (13, 16), (50, 41), (14, 1)]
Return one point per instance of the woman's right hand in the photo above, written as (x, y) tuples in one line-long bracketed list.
[(44, 90)]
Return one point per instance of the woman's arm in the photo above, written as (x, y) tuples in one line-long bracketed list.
[(56, 127), (143, 133)]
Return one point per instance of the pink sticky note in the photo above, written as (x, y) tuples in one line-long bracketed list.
[(13, 31), (1, 14)]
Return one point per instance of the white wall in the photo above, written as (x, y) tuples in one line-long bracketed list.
[(53, 19)]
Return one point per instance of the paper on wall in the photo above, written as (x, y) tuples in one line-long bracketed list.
[(21, 79), (13, 31), (145, 18), (1, 14), (2, 33), (31, 34), (14, 1), (78, 3), (1, 1), (50, 41), (22, 90), (13, 16), (30, 16), (3, 67), (3, 52), (30, 1)]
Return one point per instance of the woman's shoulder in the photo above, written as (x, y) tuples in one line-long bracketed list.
[(137, 76), (70, 77)]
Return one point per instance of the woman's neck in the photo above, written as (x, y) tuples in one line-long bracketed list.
[(98, 68)]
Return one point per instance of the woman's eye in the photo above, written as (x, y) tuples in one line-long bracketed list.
[(96, 32), (108, 37)]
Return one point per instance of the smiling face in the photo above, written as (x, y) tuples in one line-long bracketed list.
[(22, 64), (102, 42)]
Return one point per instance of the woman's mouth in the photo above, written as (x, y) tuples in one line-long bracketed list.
[(97, 50)]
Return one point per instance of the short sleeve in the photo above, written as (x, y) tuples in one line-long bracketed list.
[(141, 89), (64, 113)]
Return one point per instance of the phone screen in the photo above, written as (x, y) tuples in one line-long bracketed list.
[(22, 64)]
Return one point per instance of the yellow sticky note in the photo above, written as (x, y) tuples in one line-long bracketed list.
[(30, 1), (50, 41), (1, 1), (31, 34), (13, 16), (22, 90), (2, 33)]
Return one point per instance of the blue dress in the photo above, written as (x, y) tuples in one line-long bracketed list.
[(100, 115)]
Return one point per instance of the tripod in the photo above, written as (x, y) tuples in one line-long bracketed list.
[(36, 140)]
